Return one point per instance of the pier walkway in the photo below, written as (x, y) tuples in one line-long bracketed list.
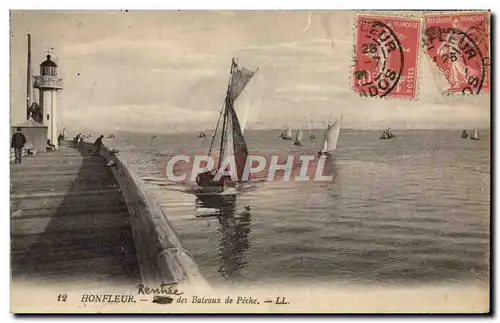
[(69, 220)]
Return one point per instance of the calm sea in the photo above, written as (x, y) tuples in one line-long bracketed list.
[(414, 209)]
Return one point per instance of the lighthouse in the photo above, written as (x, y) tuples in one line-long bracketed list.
[(48, 85)]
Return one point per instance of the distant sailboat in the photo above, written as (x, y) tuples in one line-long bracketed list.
[(474, 134), (311, 136), (387, 134), (298, 137), (154, 136), (232, 143), (331, 138), (464, 134), (202, 135), (286, 134)]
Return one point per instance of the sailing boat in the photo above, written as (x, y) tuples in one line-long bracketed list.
[(474, 134), (232, 142), (331, 138), (387, 134), (311, 136), (287, 134), (202, 135), (464, 134), (298, 137)]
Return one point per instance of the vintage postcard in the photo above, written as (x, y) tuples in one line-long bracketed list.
[(250, 161)]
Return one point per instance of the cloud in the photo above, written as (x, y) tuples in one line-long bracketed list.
[(307, 48), (158, 117), (145, 54), (312, 89)]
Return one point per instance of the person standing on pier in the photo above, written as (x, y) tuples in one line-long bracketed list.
[(60, 138), (97, 144), (18, 142)]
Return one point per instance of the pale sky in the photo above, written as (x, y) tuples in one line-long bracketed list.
[(168, 70)]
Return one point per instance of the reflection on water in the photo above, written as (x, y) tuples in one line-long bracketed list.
[(331, 169), (234, 229), (216, 204)]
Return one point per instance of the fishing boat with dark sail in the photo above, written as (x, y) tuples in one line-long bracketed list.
[(387, 134), (464, 134), (232, 143), (474, 135), (331, 138)]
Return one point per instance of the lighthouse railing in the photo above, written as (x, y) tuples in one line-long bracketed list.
[(48, 81)]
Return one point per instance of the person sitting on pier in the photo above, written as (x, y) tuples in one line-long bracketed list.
[(50, 145), (97, 144), (18, 142)]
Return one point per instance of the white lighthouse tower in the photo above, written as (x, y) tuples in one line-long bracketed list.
[(48, 84)]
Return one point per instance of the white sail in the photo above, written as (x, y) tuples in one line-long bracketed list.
[(474, 134), (300, 134), (288, 132), (331, 137), (247, 102), (242, 108)]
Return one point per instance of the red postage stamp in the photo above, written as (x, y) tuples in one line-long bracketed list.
[(458, 44), (387, 52)]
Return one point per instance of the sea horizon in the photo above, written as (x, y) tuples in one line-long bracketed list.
[(208, 131)]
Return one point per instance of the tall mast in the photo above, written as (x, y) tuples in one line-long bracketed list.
[(216, 128), (226, 107), (28, 79)]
